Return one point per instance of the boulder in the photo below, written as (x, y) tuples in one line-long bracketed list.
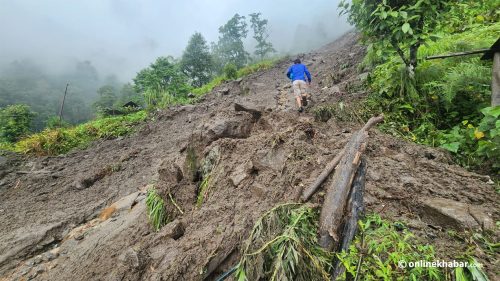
[(237, 126), (453, 214)]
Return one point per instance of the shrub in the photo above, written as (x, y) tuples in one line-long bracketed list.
[(15, 122), (230, 71)]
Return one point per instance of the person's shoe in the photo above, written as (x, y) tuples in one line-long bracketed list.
[(304, 101), (301, 109)]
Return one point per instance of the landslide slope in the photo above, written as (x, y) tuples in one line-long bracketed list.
[(82, 216)]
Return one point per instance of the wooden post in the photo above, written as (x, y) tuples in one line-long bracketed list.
[(62, 103)]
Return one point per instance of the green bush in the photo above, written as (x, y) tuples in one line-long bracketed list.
[(383, 251), (230, 71), (429, 106), (15, 122), (476, 145)]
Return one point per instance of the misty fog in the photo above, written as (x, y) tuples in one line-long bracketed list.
[(95, 43), (120, 37)]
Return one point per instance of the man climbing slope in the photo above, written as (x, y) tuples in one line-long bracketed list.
[(298, 73)]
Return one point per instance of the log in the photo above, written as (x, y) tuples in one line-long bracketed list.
[(309, 191), (355, 210), (337, 193)]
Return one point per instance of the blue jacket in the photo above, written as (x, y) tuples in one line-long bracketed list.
[(298, 72)]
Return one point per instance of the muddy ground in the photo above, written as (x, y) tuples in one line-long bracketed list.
[(82, 216)]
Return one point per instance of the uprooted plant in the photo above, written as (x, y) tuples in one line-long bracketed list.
[(283, 246), (157, 213)]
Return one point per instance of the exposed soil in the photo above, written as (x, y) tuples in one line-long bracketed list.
[(82, 216)]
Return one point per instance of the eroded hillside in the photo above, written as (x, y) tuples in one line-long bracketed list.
[(82, 216)]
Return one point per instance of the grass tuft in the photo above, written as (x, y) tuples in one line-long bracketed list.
[(156, 209)]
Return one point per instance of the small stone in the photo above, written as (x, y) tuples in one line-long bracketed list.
[(130, 258), (25, 270), (79, 236), (39, 269), (48, 256), (191, 95), (224, 91), (38, 259), (173, 230)]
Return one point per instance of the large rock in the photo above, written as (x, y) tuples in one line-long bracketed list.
[(237, 126), (448, 213)]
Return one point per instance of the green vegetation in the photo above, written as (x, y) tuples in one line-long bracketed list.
[(229, 48), (203, 190), (61, 140), (196, 61), (156, 209), (245, 71), (283, 246), (434, 102), (260, 35), (15, 122), (162, 83), (385, 251)]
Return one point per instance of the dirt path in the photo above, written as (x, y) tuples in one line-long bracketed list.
[(50, 207)]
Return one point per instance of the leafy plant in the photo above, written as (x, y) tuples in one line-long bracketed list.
[(157, 213), (15, 122), (283, 246), (400, 25), (381, 252), (474, 145), (230, 71)]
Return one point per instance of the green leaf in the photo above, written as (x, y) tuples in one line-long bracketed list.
[(493, 111), (406, 27), (453, 147)]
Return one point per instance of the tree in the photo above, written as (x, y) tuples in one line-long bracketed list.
[(260, 34), (128, 93), (15, 122), (401, 24), (162, 76), (107, 98), (229, 48), (196, 61)]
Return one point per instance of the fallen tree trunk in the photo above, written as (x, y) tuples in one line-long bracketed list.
[(337, 193), (355, 210), (321, 178)]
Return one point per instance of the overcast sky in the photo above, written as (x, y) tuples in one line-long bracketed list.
[(123, 36)]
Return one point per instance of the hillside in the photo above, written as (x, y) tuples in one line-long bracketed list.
[(82, 216)]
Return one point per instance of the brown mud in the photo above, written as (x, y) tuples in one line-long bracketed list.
[(82, 216)]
